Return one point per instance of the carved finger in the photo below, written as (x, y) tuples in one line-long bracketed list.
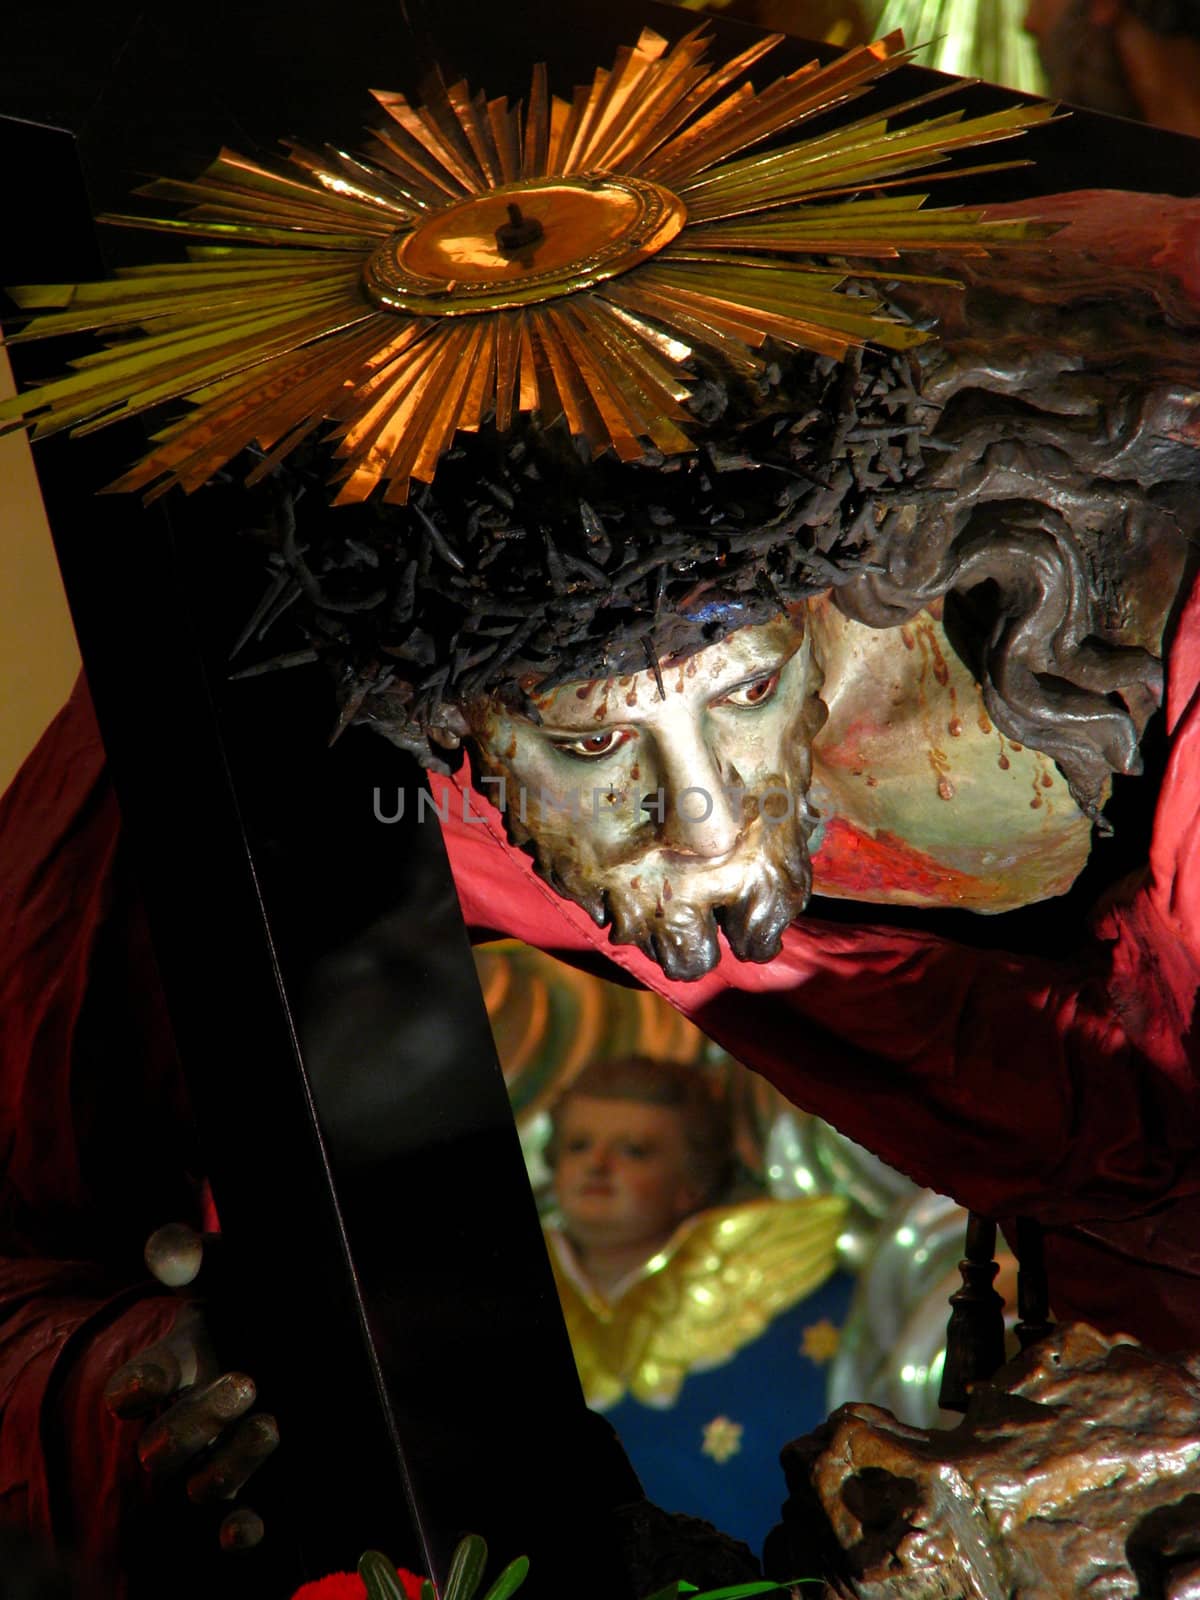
[(181, 1359), (193, 1422), (141, 1385), (234, 1460), (241, 1530), (174, 1254)]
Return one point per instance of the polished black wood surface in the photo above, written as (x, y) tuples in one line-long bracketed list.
[(384, 1277)]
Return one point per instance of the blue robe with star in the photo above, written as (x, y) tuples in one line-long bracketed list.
[(772, 1389)]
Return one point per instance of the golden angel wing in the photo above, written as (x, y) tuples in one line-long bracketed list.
[(715, 1287), (737, 1269)]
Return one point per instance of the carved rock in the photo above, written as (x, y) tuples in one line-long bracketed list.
[(1076, 1472)]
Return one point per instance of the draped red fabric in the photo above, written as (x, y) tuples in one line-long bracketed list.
[(1064, 1090), (96, 1148)]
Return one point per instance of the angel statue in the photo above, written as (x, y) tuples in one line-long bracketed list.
[(693, 1320)]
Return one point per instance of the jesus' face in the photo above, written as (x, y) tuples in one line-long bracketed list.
[(671, 805)]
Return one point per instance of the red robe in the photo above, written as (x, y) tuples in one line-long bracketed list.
[(97, 1148)]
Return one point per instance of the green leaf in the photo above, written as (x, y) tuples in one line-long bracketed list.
[(466, 1568), (742, 1591), (739, 1591), (510, 1580), (379, 1575), (428, 1592)]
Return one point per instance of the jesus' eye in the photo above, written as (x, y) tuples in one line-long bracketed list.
[(755, 693), (592, 746)]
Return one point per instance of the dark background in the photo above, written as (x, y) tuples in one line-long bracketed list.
[(158, 88)]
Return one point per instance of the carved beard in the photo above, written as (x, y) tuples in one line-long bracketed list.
[(1083, 64), (681, 936), (682, 939)]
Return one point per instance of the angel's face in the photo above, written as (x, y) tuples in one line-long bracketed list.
[(669, 804), (622, 1174)]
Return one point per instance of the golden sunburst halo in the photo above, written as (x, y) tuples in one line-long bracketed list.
[(481, 259)]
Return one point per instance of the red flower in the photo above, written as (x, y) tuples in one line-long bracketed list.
[(349, 1586)]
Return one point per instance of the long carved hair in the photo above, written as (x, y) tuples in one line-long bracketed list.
[(1055, 515)]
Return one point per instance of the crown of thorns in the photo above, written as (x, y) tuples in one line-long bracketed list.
[(529, 563)]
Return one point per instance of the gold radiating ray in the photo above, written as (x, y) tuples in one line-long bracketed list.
[(852, 156), (506, 133), (647, 386), (508, 345), (535, 145), (243, 233), (579, 408), (436, 419), (736, 354), (235, 190), (424, 185), (690, 105), (616, 101), (376, 412), (118, 305), (716, 300), (447, 173), (251, 407), (622, 424), (664, 85), (165, 367), (274, 328), (743, 121)]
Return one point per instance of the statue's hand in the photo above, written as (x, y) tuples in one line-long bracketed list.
[(201, 1421)]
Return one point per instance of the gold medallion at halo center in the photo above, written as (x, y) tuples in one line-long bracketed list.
[(593, 227)]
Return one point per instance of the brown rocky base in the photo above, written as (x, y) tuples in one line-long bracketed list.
[(1075, 1473)]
